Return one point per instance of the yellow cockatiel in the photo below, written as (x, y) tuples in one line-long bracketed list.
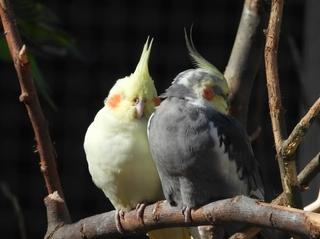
[(117, 149)]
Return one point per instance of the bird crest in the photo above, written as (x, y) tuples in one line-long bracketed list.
[(202, 63), (137, 86)]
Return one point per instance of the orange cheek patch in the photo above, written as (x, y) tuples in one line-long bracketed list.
[(113, 100), (156, 101), (208, 94)]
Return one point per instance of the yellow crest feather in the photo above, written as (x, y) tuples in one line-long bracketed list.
[(138, 85), (142, 69)]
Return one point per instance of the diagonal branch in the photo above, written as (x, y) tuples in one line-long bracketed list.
[(30, 99), (288, 169), (161, 214), (245, 58), (291, 144)]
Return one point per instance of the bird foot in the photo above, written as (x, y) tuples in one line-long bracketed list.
[(139, 212), (119, 214), (155, 211), (186, 211)]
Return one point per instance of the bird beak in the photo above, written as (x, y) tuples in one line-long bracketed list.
[(139, 108)]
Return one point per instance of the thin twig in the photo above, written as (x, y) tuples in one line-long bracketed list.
[(30, 99), (291, 144), (314, 206), (245, 58), (288, 170), (309, 172), (238, 209)]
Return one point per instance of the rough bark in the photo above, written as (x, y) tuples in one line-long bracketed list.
[(304, 178), (161, 214), (245, 58), (29, 98), (288, 169)]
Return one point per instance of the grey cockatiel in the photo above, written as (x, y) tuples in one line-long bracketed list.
[(202, 154)]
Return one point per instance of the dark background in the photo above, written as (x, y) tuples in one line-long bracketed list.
[(110, 36)]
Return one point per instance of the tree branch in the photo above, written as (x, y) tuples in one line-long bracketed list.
[(30, 99), (288, 169), (291, 144), (309, 172), (245, 58), (271, 63), (161, 214), (315, 206)]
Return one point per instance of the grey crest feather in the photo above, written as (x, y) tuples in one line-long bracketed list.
[(198, 59)]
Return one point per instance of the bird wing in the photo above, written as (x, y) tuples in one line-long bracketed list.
[(231, 134)]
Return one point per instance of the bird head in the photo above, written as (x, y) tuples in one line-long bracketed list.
[(134, 96), (200, 87), (203, 86)]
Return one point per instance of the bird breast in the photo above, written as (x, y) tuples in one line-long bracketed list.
[(120, 162)]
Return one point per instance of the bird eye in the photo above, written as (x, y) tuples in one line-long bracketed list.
[(208, 93), (136, 100)]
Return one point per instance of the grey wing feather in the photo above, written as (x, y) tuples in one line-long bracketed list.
[(192, 168), (237, 144)]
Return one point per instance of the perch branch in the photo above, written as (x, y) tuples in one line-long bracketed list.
[(309, 172), (245, 58), (288, 169), (30, 99), (291, 144), (161, 214)]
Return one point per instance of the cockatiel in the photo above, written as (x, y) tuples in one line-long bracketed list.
[(117, 149), (202, 154)]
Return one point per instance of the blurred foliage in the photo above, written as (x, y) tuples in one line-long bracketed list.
[(39, 29)]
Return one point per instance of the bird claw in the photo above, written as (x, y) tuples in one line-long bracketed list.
[(139, 212), (155, 213), (119, 214), (186, 211)]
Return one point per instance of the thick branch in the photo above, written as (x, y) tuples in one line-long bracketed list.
[(308, 173), (30, 99), (288, 169), (291, 144), (161, 214), (245, 58)]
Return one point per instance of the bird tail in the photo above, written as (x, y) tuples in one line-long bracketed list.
[(170, 233)]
